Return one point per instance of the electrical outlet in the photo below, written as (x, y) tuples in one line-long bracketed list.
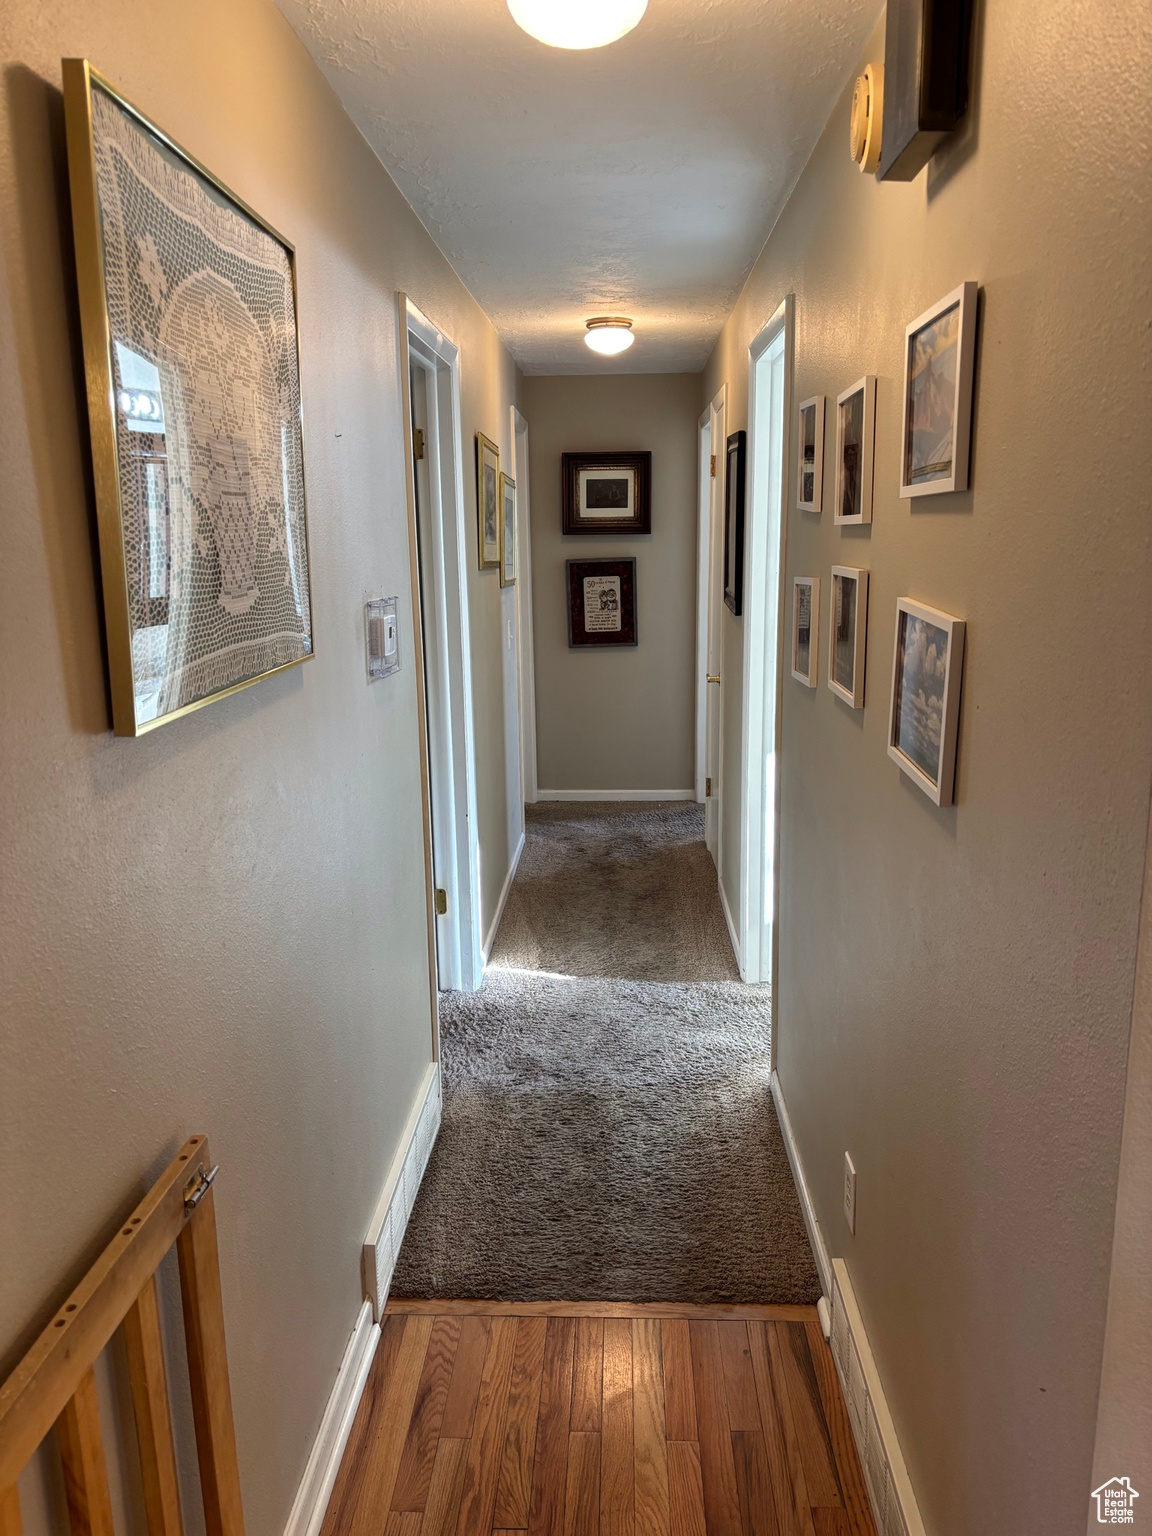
[(850, 1194)]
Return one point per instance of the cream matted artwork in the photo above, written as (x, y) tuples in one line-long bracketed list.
[(188, 314)]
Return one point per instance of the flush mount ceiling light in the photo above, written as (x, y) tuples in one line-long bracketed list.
[(577, 23), (609, 334)]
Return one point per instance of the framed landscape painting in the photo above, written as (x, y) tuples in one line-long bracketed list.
[(188, 319), (810, 468), (507, 532), (924, 715), (488, 502), (601, 602), (939, 353), (847, 634), (606, 492), (855, 447), (805, 628)]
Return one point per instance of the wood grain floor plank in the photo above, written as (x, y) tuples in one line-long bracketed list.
[(514, 1490), (390, 1420), (854, 1492), (739, 1382), (685, 1489), (445, 1490), (588, 1375), (754, 1484), (788, 1489), (404, 1522), (411, 1491), (350, 1476), (679, 1396), (460, 1407), (799, 1380), (718, 1473), (831, 1522), (617, 1437), (482, 1470), (550, 1471), (582, 1497), (651, 1441), (788, 1430), (437, 1307)]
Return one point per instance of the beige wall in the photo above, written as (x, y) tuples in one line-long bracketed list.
[(616, 719), (219, 927), (955, 985)]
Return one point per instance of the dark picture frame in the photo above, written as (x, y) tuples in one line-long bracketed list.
[(601, 602), (734, 489), (606, 492)]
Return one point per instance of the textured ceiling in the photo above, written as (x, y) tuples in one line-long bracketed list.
[(641, 178)]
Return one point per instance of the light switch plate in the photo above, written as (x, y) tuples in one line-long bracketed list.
[(382, 637), (850, 1194)]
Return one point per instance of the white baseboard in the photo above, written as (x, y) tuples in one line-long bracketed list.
[(889, 1487), (732, 933), (311, 1502), (615, 794), (502, 903), (390, 1219)]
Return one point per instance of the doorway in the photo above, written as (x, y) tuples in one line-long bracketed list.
[(769, 393), (430, 373), (709, 633)]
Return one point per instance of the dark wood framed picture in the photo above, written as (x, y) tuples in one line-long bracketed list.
[(606, 492), (601, 602), (734, 523)]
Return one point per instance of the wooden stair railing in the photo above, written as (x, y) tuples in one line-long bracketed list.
[(54, 1383)]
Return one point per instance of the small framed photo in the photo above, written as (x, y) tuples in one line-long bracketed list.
[(601, 602), (927, 661), (805, 628), (507, 532), (488, 501), (606, 492), (847, 634), (734, 523), (810, 473), (939, 351), (855, 447)]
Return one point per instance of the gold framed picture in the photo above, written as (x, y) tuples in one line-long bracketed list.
[(488, 502), (188, 317), (507, 532)]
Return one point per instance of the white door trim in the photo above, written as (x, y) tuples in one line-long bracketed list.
[(528, 775), (448, 677), (709, 621), (703, 524), (762, 608)]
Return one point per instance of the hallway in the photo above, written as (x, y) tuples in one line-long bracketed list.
[(608, 1131)]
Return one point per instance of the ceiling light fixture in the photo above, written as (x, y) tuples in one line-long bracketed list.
[(609, 334), (577, 23)]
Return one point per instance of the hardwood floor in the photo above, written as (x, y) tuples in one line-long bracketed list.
[(613, 1420)]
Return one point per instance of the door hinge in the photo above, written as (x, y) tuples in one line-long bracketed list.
[(707, 789), (417, 443), (441, 902), (199, 1186), (712, 467)]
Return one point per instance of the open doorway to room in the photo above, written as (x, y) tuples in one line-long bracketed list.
[(769, 390), (430, 364)]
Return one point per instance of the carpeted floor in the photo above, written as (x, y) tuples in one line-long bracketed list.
[(608, 1130)]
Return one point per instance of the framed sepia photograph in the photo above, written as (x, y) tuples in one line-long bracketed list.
[(507, 532), (923, 720), (848, 633), (734, 522), (855, 447), (188, 319), (805, 628), (810, 456), (601, 602), (488, 502), (939, 353), (606, 492)]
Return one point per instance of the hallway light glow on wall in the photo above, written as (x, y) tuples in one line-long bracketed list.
[(577, 23), (609, 334)]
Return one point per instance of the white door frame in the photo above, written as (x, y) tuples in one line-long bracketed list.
[(444, 673), (765, 523), (709, 624), (528, 779)]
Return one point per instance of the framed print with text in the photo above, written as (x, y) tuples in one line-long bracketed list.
[(855, 448), (810, 456), (601, 602), (924, 715), (939, 352), (848, 633), (507, 532), (488, 502), (805, 628), (606, 492)]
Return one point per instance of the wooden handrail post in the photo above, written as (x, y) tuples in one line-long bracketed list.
[(153, 1419), (82, 1455)]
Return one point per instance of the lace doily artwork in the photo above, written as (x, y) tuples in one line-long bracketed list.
[(201, 317)]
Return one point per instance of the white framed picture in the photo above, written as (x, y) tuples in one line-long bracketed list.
[(848, 633), (810, 456), (805, 628), (939, 351), (927, 661), (855, 449)]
